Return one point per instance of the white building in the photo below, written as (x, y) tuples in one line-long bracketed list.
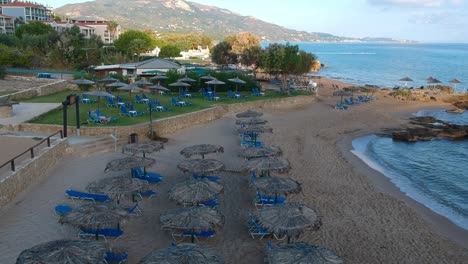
[(7, 24), (101, 28), (199, 52), (61, 26), (148, 67), (26, 11)]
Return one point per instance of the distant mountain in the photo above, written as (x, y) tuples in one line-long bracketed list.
[(187, 17)]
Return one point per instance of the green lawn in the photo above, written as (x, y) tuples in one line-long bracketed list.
[(6, 92), (56, 117)]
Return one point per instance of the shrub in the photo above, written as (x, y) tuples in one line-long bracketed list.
[(2, 71), (403, 93)]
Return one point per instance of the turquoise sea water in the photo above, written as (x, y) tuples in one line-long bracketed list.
[(385, 64), (434, 173)]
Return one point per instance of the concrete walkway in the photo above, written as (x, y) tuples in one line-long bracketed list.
[(23, 112)]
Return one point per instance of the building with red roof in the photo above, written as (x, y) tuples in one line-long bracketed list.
[(25, 10)]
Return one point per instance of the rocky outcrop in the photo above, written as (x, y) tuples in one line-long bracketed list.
[(461, 105), (428, 128)]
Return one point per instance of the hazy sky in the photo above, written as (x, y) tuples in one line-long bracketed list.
[(422, 20)]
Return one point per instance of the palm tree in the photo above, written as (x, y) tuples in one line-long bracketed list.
[(112, 27)]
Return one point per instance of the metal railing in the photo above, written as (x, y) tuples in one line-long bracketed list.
[(30, 150)]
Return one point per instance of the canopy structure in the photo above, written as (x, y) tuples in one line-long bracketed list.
[(302, 252), (130, 88), (142, 83), (182, 253), (143, 147), (201, 149), (215, 82), (195, 191), (197, 218), (200, 166), (64, 251), (159, 87), (352, 89), (249, 114), (207, 77), (341, 93), (108, 79), (406, 80), (258, 152), (288, 219), (455, 82), (267, 165), (116, 84), (99, 94), (159, 77), (277, 186), (117, 186), (82, 81), (95, 216), (251, 121), (128, 163), (186, 79)]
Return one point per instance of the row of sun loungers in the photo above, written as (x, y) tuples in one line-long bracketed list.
[(351, 101)]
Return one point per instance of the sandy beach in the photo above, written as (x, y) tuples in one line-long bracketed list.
[(365, 218)]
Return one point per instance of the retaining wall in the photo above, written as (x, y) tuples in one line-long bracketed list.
[(45, 89), (173, 124), (31, 170)]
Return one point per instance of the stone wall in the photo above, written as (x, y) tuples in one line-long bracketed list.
[(45, 89), (173, 124), (6, 111), (31, 170)]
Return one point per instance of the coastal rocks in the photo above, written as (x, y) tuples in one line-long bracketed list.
[(427, 128), (461, 105), (315, 67)]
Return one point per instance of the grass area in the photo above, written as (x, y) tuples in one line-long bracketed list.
[(56, 116), (6, 92)]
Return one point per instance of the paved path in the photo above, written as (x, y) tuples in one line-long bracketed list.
[(23, 112)]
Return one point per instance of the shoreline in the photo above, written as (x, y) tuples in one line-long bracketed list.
[(443, 225)]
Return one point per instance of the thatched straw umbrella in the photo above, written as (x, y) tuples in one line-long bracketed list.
[(251, 121), (267, 165), (116, 186), (143, 147), (95, 216), (159, 77), (406, 80), (341, 93), (254, 152), (277, 186), (187, 79), (236, 81), (142, 83), (200, 166), (116, 84), (130, 88), (248, 114), (183, 253), (128, 163), (455, 82), (202, 150), (194, 219), (159, 88), (195, 191), (99, 94), (352, 89), (108, 79), (64, 252), (215, 82), (301, 253), (82, 81), (179, 84), (288, 219)]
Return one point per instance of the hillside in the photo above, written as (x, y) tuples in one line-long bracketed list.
[(186, 17)]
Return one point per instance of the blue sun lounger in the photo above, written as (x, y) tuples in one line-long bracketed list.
[(196, 235), (116, 257), (254, 227), (104, 233), (73, 194)]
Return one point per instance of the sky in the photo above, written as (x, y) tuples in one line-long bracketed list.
[(420, 20)]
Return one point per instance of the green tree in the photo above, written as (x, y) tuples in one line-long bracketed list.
[(2, 71), (169, 51), (271, 58), (33, 28), (126, 42), (222, 54), (112, 28), (251, 57)]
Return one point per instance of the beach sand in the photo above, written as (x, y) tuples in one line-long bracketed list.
[(10, 146), (364, 219)]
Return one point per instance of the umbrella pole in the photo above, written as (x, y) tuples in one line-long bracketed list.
[(203, 156), (289, 239)]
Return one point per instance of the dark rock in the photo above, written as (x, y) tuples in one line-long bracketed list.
[(427, 128), (461, 105)]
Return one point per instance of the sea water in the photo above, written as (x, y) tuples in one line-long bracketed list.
[(385, 64), (434, 173)]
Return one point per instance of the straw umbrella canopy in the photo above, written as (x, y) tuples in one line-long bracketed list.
[(142, 82), (158, 87), (251, 121), (249, 114), (187, 79), (182, 253), (128, 163), (352, 89), (99, 94), (179, 84), (159, 77), (82, 81), (277, 186), (455, 82), (406, 80), (215, 82), (236, 81), (195, 191), (202, 150), (143, 147), (64, 252), (130, 88), (95, 216), (341, 93), (195, 219), (302, 253), (116, 84), (268, 164), (254, 152), (207, 77), (288, 219), (200, 166), (433, 81), (108, 79), (116, 186)]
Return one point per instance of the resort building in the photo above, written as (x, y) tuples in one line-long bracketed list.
[(148, 67), (25, 11), (101, 28), (7, 24), (61, 26)]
